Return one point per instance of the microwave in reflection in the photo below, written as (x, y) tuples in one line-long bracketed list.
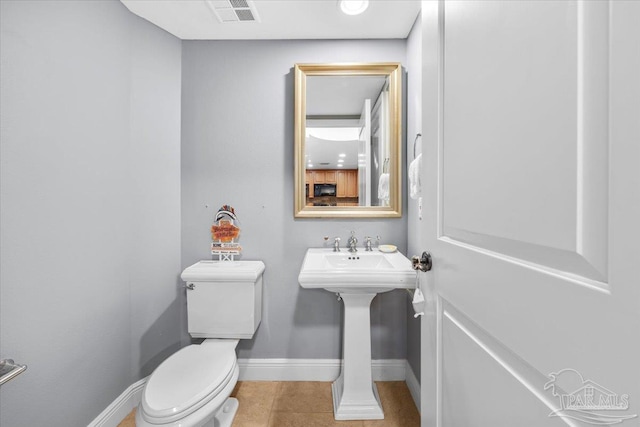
[(320, 190)]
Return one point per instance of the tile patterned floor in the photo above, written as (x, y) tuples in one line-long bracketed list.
[(309, 404)]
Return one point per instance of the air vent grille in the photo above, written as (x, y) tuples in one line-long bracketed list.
[(245, 15), (234, 11), (239, 3)]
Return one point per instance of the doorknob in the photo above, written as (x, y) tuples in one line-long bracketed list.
[(424, 263)]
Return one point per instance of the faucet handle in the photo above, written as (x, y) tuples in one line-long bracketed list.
[(367, 243), (352, 243)]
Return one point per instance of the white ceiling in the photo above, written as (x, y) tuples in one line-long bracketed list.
[(325, 153), (341, 95), (281, 19)]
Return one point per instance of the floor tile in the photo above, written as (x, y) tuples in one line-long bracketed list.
[(255, 399), (249, 423), (312, 419), (310, 404), (304, 397), (130, 420), (398, 406)]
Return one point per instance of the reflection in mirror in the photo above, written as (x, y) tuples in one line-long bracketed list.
[(347, 140)]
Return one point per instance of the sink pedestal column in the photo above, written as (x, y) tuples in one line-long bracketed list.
[(355, 396)]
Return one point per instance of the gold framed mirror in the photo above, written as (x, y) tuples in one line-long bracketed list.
[(348, 148)]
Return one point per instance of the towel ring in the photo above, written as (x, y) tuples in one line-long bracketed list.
[(415, 141)]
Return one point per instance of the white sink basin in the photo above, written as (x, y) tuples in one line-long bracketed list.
[(358, 277), (359, 272)]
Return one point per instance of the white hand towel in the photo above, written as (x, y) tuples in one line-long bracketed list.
[(418, 303), (383, 187), (415, 186)]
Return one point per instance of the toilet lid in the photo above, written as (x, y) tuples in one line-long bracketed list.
[(189, 379)]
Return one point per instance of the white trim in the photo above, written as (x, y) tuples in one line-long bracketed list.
[(389, 369), (413, 385), (121, 407), (314, 369)]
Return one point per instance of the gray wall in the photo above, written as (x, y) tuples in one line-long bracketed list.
[(414, 126), (154, 181), (90, 205), (237, 148)]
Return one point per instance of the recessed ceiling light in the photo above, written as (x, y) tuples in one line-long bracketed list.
[(340, 165), (340, 161), (310, 165), (353, 7), (342, 155)]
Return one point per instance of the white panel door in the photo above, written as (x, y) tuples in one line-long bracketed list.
[(531, 133)]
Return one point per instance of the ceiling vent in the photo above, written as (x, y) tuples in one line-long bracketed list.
[(230, 11)]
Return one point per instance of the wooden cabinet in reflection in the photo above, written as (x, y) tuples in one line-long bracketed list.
[(346, 181), (347, 185), (330, 177)]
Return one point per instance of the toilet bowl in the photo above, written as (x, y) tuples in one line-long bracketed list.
[(192, 387)]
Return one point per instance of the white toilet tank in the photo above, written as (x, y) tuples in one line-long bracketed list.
[(224, 298)]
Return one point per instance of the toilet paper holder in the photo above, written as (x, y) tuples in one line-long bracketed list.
[(10, 369), (423, 263)]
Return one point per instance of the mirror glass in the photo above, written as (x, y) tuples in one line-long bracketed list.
[(347, 136)]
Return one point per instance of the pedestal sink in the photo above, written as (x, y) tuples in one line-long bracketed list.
[(357, 277)]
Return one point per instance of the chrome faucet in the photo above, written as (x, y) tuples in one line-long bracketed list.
[(336, 244), (367, 244), (352, 242)]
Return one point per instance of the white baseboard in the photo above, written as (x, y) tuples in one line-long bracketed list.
[(413, 384), (120, 408), (273, 370), (314, 369)]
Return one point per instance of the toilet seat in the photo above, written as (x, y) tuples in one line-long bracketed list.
[(188, 380)]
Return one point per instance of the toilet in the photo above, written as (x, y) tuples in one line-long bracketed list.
[(192, 387)]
